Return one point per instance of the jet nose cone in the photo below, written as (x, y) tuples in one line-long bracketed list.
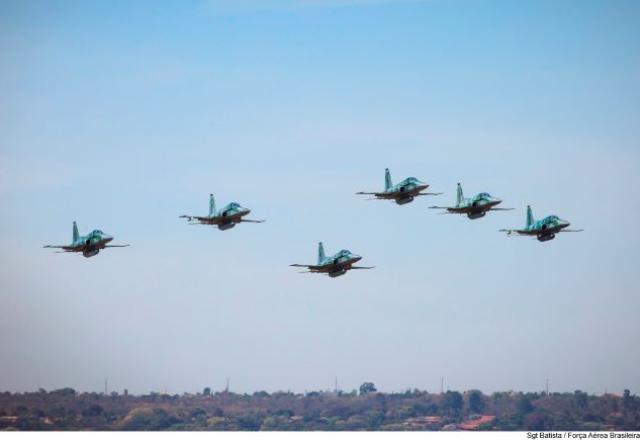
[(495, 201), (356, 257), (247, 210), (564, 224), (107, 238)]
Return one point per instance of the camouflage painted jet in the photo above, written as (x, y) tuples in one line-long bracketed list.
[(334, 265), (545, 229), (403, 192), (89, 244), (224, 219), (474, 207)]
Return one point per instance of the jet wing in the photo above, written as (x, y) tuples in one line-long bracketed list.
[(252, 221), (518, 232), (428, 194), (455, 210), (312, 268), (450, 209), (571, 230), (362, 267), (66, 248), (207, 220), (377, 195), (308, 266), (116, 245)]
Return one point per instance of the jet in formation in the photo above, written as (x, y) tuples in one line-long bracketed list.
[(226, 218), (89, 244), (403, 192), (334, 265), (474, 207), (545, 229)]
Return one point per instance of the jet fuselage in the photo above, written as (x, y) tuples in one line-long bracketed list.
[(547, 228), (92, 243), (338, 264), (404, 192), (477, 207)]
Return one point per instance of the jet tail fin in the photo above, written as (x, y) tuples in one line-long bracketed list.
[(387, 179), (460, 196), (320, 253), (76, 235), (530, 219), (212, 205)]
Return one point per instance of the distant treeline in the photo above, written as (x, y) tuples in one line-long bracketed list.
[(65, 409)]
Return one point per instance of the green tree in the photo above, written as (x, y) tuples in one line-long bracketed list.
[(367, 387), (476, 404), (147, 419), (275, 423), (452, 402), (374, 419), (92, 411), (537, 421), (206, 391), (215, 423), (250, 422), (524, 405), (581, 399), (197, 414), (626, 399), (63, 392)]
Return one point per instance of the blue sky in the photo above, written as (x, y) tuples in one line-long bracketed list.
[(124, 115)]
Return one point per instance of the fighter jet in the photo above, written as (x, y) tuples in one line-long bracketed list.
[(224, 219), (403, 192), (89, 244), (545, 229), (474, 207), (334, 265)]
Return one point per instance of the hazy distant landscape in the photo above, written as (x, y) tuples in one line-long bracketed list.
[(363, 409)]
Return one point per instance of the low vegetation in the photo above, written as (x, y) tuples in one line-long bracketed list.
[(65, 409)]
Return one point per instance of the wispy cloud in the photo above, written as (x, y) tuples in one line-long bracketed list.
[(235, 6)]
